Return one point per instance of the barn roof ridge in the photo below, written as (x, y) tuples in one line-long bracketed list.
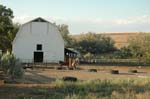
[(39, 18), (42, 19), (36, 19)]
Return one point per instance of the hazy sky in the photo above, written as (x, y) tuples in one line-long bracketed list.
[(86, 15)]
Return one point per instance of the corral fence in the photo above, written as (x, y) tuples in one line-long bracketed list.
[(40, 65), (116, 62)]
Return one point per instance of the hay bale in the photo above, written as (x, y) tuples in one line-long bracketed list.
[(92, 70), (114, 71), (59, 68), (132, 71), (72, 79)]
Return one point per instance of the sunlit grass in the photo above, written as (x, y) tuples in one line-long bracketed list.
[(137, 88)]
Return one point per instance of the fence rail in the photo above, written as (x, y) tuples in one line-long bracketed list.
[(127, 62)]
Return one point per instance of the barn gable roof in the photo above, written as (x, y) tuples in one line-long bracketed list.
[(38, 19)]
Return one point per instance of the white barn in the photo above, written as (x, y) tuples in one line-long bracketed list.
[(38, 41)]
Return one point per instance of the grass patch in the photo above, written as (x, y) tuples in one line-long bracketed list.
[(97, 89)]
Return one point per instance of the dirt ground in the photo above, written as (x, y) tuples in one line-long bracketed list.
[(35, 81), (49, 75)]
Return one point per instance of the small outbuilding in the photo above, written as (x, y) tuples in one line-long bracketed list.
[(70, 56)]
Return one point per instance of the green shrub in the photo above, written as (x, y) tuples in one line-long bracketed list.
[(124, 52), (11, 65), (16, 72)]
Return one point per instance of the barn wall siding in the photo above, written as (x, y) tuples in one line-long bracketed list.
[(34, 33)]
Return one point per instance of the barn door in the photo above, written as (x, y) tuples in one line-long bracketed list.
[(38, 57)]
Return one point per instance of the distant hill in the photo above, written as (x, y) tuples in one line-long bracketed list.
[(121, 39)]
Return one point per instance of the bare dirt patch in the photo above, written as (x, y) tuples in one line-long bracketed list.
[(50, 75)]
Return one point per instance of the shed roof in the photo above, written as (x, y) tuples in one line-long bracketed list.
[(70, 51)]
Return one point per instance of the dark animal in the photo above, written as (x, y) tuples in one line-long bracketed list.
[(62, 63)]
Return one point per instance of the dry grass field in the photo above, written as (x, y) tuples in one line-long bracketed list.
[(45, 76), (47, 84), (49, 75), (121, 39)]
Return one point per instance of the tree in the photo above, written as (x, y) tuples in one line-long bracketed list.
[(139, 46), (6, 27), (88, 56), (10, 37), (124, 52), (94, 43), (63, 28)]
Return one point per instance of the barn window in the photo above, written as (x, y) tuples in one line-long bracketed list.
[(39, 47)]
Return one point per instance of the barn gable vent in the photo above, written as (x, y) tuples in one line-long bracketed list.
[(39, 20)]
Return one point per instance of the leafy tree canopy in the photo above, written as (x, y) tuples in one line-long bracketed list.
[(63, 28), (6, 27), (94, 43), (139, 46)]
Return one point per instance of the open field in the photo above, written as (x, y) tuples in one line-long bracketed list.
[(98, 89), (42, 75), (47, 84), (50, 75)]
